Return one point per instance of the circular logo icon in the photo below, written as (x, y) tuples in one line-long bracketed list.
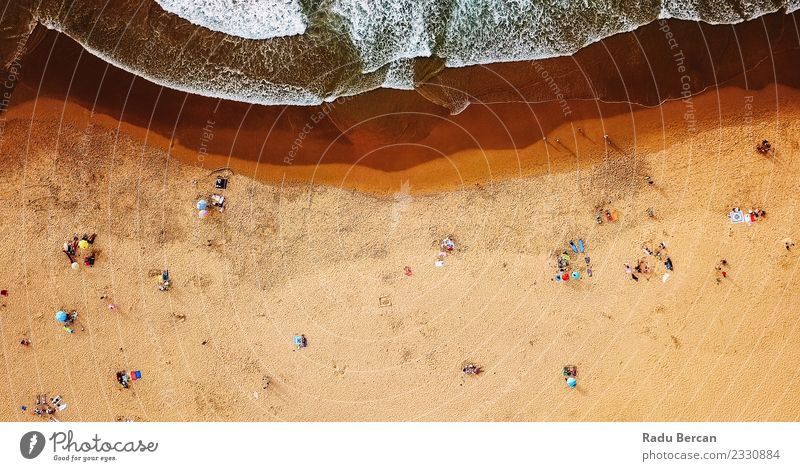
[(31, 445)]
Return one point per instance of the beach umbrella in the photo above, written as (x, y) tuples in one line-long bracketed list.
[(83, 244), (75, 265), (558, 277), (61, 316), (202, 205), (565, 277), (572, 382), (576, 275)]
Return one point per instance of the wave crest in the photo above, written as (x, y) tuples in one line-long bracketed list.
[(251, 19), (305, 52)]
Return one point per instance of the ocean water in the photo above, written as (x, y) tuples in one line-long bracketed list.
[(305, 52), (463, 32)]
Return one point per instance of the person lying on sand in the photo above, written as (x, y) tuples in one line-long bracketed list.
[(122, 378), (471, 369)]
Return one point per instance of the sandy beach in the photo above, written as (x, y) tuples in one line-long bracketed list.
[(295, 258)]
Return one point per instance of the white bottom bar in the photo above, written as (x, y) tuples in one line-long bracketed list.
[(406, 446)]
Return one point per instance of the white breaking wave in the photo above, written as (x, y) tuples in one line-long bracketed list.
[(250, 19), (489, 31), (384, 31), (463, 32), (400, 75), (367, 44), (277, 94)]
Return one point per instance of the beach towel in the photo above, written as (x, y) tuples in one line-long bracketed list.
[(737, 217)]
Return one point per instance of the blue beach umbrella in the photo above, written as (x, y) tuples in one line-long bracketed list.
[(61, 316), (202, 205), (576, 275), (572, 382)]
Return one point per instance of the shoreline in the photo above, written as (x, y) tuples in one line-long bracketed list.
[(389, 141), (565, 146)]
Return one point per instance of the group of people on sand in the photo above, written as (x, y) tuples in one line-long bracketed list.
[(45, 406), (124, 378), (764, 148), (566, 268), (753, 215), (605, 214), (722, 269), (215, 200), (651, 262), (164, 281), (85, 245), (570, 373), (68, 319), (447, 246)]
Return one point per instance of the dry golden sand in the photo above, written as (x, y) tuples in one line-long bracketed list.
[(315, 260)]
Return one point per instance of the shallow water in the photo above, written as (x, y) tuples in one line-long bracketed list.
[(308, 52)]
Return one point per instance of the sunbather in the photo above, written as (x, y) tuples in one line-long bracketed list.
[(471, 369)]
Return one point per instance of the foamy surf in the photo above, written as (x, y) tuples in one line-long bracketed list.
[(251, 19), (290, 52)]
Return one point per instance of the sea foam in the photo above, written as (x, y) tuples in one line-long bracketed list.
[(250, 19), (303, 52)]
